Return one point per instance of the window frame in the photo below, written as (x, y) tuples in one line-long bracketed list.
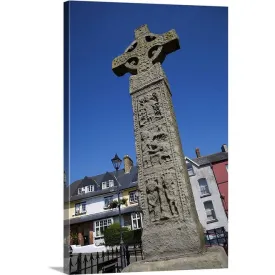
[(136, 216), (213, 212), (81, 190), (90, 188), (109, 221), (107, 206), (206, 187), (190, 168), (135, 195), (80, 207), (110, 183)]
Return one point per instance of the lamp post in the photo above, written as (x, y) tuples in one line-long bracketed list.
[(116, 161)]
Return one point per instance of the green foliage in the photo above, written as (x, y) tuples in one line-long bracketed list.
[(74, 238), (112, 234), (115, 203), (124, 201), (130, 237)]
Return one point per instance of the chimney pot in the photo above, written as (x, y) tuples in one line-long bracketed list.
[(128, 164), (198, 153), (224, 148)]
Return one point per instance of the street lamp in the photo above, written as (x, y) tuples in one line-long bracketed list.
[(116, 161)]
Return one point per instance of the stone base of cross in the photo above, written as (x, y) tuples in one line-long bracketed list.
[(214, 258)]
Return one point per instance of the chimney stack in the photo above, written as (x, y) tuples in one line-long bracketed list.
[(224, 148), (198, 153), (128, 164)]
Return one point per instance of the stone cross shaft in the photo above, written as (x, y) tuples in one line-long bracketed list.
[(171, 227)]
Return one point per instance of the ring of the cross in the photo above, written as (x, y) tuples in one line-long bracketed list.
[(155, 53), (131, 47), (131, 64)]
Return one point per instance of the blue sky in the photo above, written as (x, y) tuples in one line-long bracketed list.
[(101, 117)]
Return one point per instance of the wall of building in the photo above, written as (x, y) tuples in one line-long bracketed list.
[(125, 195), (66, 210), (207, 173), (96, 205), (93, 205), (72, 208), (221, 175)]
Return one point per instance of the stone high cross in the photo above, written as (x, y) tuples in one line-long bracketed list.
[(171, 227), (145, 51)]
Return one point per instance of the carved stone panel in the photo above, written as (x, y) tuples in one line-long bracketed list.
[(139, 81), (149, 108), (155, 146), (161, 196)]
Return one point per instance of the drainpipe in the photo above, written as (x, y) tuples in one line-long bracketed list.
[(222, 197)]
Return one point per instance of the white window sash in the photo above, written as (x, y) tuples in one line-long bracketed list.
[(107, 201), (101, 225), (83, 209), (204, 190), (136, 217), (89, 188), (133, 197), (77, 209)]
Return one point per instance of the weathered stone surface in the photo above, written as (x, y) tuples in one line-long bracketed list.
[(214, 257), (170, 221), (171, 227), (146, 50)]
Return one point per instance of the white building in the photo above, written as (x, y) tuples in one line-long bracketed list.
[(206, 193)]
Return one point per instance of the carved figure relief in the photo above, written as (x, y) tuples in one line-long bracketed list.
[(148, 109), (168, 184), (162, 203), (155, 146), (153, 199)]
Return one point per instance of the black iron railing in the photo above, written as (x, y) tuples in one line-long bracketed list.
[(104, 262), (217, 236), (110, 261)]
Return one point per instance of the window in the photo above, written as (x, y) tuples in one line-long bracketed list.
[(190, 169), (210, 213), (107, 201), (81, 190), (136, 221), (100, 226), (204, 187), (80, 208), (133, 197), (89, 188), (107, 184), (86, 189)]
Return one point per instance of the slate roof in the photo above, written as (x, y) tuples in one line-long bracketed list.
[(102, 215), (217, 157), (126, 181)]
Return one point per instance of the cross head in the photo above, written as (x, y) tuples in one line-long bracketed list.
[(146, 50)]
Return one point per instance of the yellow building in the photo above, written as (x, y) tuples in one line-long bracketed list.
[(88, 210)]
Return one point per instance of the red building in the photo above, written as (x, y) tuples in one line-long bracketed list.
[(220, 170)]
